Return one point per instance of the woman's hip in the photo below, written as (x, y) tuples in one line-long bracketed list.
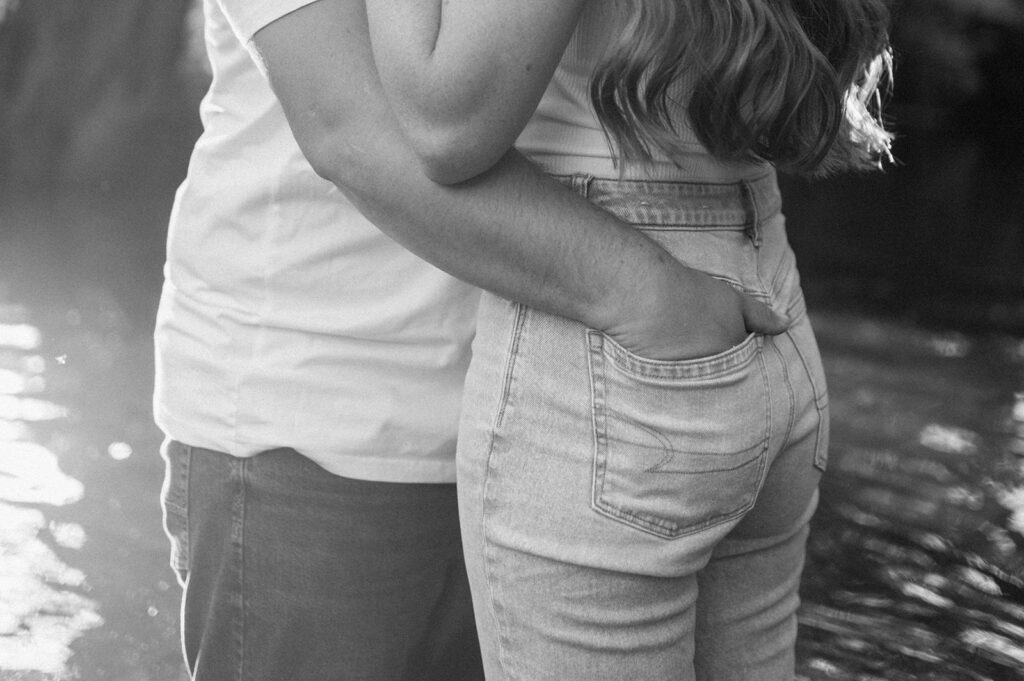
[(570, 443)]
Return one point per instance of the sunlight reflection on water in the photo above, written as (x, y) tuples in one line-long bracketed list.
[(29, 409), (20, 336), (43, 608), (1013, 501), (30, 474), (12, 382), (13, 430), (43, 611), (119, 451), (949, 440), (916, 566)]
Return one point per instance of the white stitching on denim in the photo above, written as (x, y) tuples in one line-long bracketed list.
[(510, 362), (662, 528), (504, 660), (789, 389)]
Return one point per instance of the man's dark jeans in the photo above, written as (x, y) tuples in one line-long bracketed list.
[(291, 573)]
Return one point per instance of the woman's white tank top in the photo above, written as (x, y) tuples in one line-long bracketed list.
[(564, 136)]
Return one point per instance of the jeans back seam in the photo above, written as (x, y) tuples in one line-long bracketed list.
[(493, 600), (768, 418), (491, 583)]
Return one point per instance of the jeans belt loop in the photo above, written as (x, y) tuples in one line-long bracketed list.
[(754, 228), (581, 184)]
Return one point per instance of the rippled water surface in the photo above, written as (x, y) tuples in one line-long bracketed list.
[(44, 604), (916, 566), (85, 592)]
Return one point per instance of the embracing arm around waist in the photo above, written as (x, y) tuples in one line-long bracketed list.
[(510, 230)]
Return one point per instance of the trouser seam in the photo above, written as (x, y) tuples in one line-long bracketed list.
[(486, 484), (186, 461), (238, 541), (518, 323), (820, 400), (490, 583), (787, 380), (765, 467)]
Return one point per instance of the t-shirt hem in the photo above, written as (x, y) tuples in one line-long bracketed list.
[(389, 470), (356, 466)]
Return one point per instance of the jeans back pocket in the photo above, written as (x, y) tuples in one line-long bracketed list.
[(680, 446)]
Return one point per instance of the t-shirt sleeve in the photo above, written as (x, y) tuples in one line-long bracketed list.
[(248, 16)]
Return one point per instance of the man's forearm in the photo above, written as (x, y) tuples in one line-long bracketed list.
[(511, 231), (464, 76), (524, 236)]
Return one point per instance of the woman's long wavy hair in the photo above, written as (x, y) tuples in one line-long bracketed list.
[(768, 79)]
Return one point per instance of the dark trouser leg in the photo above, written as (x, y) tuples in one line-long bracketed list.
[(295, 573)]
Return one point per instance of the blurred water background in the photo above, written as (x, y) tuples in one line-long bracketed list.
[(916, 277)]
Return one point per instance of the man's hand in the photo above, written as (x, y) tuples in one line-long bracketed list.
[(690, 315)]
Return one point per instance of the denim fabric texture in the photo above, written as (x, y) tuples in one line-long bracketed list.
[(290, 572), (629, 518)]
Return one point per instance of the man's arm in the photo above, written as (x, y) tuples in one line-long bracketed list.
[(510, 230), (464, 76)]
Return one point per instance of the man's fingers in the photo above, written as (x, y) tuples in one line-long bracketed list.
[(759, 318)]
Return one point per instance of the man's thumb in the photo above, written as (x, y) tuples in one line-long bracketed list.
[(759, 318)]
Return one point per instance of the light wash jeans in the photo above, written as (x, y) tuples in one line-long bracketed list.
[(625, 518)]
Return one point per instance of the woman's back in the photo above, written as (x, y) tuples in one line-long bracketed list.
[(564, 135)]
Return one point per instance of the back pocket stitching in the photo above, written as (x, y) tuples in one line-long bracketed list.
[(660, 527)]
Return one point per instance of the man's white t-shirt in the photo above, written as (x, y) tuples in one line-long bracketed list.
[(287, 319)]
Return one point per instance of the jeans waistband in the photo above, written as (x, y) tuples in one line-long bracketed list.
[(742, 205)]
